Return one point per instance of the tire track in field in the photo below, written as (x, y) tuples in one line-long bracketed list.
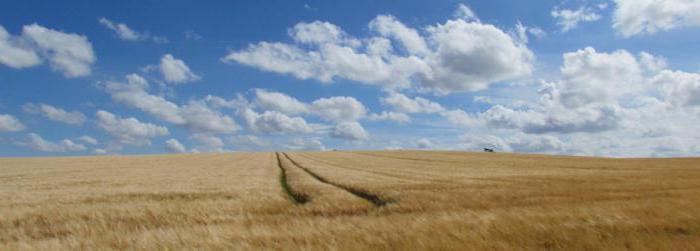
[(407, 178), (372, 198), (294, 196)]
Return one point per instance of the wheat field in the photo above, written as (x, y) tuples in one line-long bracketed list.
[(397, 200)]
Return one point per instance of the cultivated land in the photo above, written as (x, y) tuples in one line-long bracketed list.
[(349, 200)]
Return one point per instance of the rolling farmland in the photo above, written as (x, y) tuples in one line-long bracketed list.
[(349, 200)]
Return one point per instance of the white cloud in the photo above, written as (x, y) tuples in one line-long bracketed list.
[(401, 118), (174, 146), (208, 143), (338, 109), (589, 76), (424, 143), (201, 118), (388, 26), (175, 71), (522, 32), (465, 13), (69, 53), (129, 131), (402, 103), (88, 140), (127, 34), (36, 142), (570, 19), (350, 130), (16, 53), (274, 122), (9, 123), (651, 63), (306, 145), (196, 116), (470, 56), (55, 114), (318, 32), (681, 88), (249, 141), (518, 142), (635, 17), (458, 55), (280, 102)]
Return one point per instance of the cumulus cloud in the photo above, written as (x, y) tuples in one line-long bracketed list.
[(518, 142), (174, 146), (280, 102), (389, 27), (55, 113), (318, 32), (274, 122), (636, 17), (249, 141), (87, 140), (306, 145), (36, 142), (402, 103), (465, 13), (197, 115), (681, 88), (175, 71), (9, 123), (68, 53), (15, 52), (401, 118), (523, 33), (129, 131), (570, 19), (585, 100), (424, 143), (350, 130), (125, 33), (339, 108), (458, 55), (208, 143)]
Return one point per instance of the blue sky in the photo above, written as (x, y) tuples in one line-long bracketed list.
[(602, 78)]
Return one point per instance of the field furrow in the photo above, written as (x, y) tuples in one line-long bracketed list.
[(322, 198)]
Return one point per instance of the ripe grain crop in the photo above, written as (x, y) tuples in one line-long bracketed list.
[(350, 201)]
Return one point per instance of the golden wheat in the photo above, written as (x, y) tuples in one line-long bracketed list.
[(349, 200)]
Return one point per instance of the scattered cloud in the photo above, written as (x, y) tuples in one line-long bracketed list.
[(129, 131), (175, 71), (15, 52), (69, 53), (339, 108), (424, 143), (431, 58), (274, 122), (174, 146), (55, 113), (635, 17), (401, 118), (350, 131), (87, 140), (570, 19), (36, 142), (197, 116), (127, 34), (9, 123), (300, 144)]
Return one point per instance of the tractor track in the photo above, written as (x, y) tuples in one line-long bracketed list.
[(293, 195), (376, 200)]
